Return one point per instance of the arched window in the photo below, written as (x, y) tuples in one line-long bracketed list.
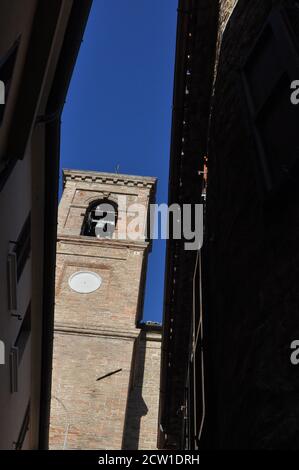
[(100, 219)]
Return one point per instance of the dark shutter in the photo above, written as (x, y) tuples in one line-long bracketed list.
[(23, 246), (24, 334), (24, 429)]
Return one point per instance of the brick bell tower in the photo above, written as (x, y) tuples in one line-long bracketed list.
[(106, 368)]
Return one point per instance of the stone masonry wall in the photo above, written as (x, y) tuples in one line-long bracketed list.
[(226, 9), (251, 269)]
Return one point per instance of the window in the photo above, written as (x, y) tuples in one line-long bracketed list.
[(24, 334), (23, 246), (100, 219), (267, 75), (24, 429), (6, 72), (17, 350), (16, 261)]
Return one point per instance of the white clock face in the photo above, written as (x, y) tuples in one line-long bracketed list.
[(85, 282)]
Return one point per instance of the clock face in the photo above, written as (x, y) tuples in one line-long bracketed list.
[(85, 282)]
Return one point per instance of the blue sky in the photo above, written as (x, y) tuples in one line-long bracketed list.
[(118, 109)]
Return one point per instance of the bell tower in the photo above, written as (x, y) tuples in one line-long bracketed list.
[(102, 359)]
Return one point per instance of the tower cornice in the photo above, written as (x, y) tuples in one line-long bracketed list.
[(148, 182)]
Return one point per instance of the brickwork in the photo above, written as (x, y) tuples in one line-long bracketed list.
[(95, 333), (143, 401), (88, 413)]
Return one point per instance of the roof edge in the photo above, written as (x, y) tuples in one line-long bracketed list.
[(108, 178)]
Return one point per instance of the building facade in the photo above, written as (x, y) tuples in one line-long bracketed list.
[(39, 43), (106, 363), (231, 310)]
